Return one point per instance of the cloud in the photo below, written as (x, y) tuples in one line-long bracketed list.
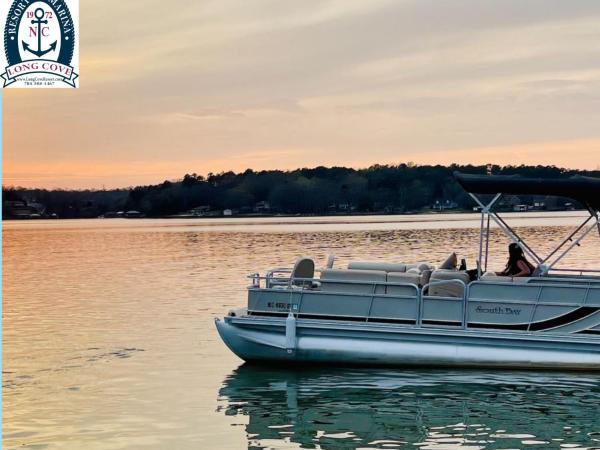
[(208, 84)]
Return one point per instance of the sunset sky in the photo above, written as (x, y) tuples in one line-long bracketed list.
[(174, 87)]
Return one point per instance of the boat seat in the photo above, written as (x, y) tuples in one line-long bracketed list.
[(448, 289), (424, 271), (421, 266), (304, 269), (353, 281), (388, 266), (377, 265), (426, 276), (403, 277), (491, 276), (450, 263)]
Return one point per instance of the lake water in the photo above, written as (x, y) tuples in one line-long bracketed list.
[(109, 343)]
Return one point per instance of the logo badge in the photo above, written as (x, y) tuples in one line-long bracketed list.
[(40, 43)]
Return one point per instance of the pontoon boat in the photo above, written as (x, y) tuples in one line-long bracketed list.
[(389, 313)]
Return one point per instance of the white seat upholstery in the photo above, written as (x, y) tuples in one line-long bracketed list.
[(377, 265), (426, 276), (353, 281), (450, 263), (450, 289), (403, 277), (421, 266), (419, 273), (491, 276)]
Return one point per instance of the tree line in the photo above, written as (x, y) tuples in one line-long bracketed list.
[(321, 190)]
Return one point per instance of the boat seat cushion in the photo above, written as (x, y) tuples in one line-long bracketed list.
[(450, 289), (424, 270), (403, 277), (450, 263), (353, 281), (304, 269), (426, 276), (377, 265), (421, 266), (492, 277)]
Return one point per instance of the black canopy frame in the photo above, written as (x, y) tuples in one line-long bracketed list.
[(585, 190)]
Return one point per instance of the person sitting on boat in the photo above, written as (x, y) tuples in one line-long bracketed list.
[(517, 265)]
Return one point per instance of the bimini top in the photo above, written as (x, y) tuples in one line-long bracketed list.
[(585, 190)]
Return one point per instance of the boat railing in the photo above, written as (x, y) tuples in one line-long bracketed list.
[(580, 272), (464, 299), (304, 285), (587, 286), (271, 281), (276, 277), (270, 276), (312, 284), (422, 295)]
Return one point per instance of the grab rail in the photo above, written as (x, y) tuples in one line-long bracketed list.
[(426, 287), (580, 271), (286, 281), (308, 284), (269, 275)]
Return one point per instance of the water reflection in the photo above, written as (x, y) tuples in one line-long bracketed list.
[(384, 408)]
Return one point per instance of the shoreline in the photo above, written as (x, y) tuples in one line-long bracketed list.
[(442, 215)]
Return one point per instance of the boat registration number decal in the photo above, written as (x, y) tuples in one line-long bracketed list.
[(282, 305)]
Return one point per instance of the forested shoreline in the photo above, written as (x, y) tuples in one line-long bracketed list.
[(403, 188)]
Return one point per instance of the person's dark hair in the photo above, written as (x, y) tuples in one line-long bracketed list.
[(515, 254)]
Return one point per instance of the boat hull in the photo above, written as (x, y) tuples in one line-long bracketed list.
[(343, 343)]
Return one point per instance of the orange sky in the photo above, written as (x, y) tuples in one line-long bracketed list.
[(219, 85)]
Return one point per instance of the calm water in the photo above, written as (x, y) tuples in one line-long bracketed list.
[(109, 343)]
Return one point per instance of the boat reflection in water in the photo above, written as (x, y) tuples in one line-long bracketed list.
[(384, 408)]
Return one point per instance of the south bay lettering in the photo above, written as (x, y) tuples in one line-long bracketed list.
[(501, 310)]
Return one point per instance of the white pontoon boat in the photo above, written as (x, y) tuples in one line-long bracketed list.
[(376, 313)]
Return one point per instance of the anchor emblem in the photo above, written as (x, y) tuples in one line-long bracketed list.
[(39, 15)]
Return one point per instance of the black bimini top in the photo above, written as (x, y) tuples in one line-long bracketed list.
[(585, 190)]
